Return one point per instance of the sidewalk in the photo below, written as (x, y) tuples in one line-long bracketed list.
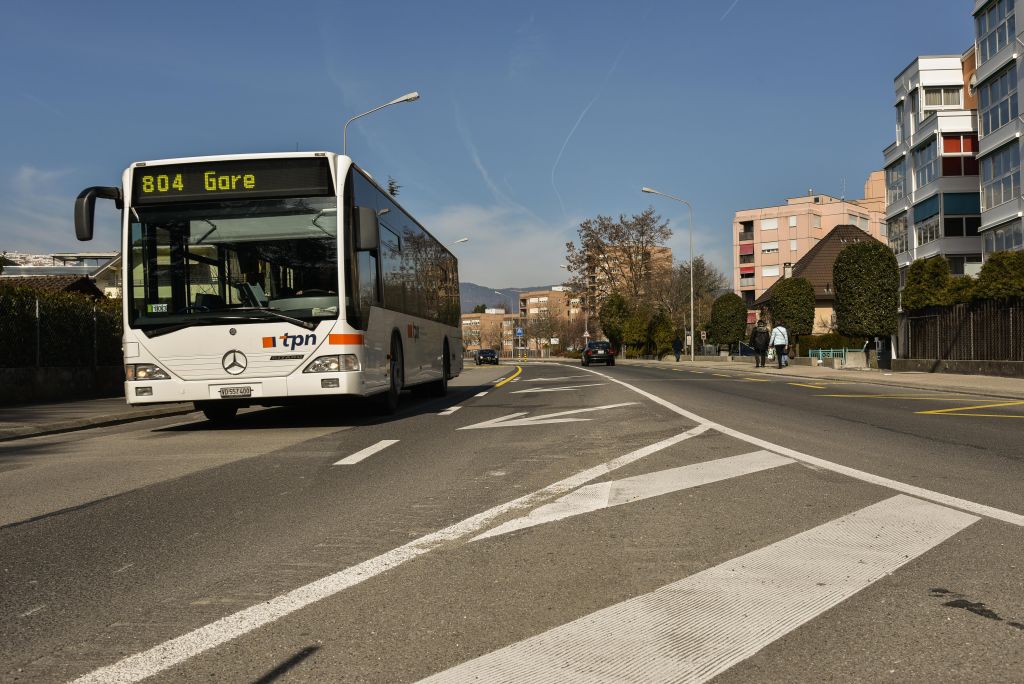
[(985, 385), (28, 420)]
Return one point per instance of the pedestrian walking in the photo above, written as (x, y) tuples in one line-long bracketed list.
[(779, 340), (677, 347), (759, 337)]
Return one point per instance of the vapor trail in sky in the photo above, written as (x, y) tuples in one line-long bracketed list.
[(576, 125), (734, 3)]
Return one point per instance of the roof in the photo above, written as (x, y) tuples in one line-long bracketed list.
[(51, 284), (816, 265)]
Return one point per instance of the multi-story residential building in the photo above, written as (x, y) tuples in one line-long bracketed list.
[(768, 239), (931, 171), (488, 330), (999, 48)]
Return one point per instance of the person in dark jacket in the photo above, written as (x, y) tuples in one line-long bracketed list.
[(677, 347), (759, 341)]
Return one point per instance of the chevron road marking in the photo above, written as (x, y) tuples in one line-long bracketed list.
[(618, 492), (700, 626)]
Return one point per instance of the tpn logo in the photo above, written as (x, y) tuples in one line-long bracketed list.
[(289, 341)]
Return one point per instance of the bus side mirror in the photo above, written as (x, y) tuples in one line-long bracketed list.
[(85, 208), (367, 230)]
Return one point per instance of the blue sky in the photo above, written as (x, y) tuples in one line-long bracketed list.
[(533, 117)]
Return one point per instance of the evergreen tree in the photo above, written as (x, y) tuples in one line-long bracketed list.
[(728, 319), (792, 304), (866, 280)]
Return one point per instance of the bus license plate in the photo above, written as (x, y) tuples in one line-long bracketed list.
[(226, 392)]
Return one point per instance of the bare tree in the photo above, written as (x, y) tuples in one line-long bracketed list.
[(672, 293), (616, 256)]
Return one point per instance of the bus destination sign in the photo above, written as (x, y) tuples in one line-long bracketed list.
[(232, 180)]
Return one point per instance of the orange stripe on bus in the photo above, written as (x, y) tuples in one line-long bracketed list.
[(345, 339), (268, 342)]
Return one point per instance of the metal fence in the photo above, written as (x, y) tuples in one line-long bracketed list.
[(61, 331), (983, 331)]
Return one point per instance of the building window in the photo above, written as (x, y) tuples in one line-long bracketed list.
[(896, 181), (926, 164), (939, 98), (997, 100), (747, 282), (967, 264), (769, 247), (899, 123), (928, 230), (1004, 238), (792, 221), (961, 226), (770, 271), (958, 155), (1000, 176), (913, 109), (746, 258), (898, 237), (792, 245), (994, 29), (815, 221), (859, 221), (770, 224)]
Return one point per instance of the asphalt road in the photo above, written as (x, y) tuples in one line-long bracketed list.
[(624, 524)]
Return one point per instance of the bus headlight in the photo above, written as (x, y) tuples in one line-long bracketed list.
[(144, 371), (333, 364)]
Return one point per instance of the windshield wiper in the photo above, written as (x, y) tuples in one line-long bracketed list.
[(273, 313), (247, 314)]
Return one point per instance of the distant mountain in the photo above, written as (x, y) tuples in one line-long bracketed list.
[(493, 297)]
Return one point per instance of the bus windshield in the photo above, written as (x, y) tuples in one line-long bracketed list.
[(200, 263)]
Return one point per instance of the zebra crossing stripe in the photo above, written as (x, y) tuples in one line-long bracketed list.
[(615, 493), (695, 629)]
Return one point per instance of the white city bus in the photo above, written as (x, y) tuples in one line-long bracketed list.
[(259, 279)]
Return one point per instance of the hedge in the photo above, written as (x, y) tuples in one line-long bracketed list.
[(72, 329)]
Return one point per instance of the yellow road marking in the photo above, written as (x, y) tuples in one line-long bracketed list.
[(519, 369), (720, 375), (800, 384), (891, 396), (956, 411), (757, 379)]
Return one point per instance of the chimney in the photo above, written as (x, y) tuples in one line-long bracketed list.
[(787, 270)]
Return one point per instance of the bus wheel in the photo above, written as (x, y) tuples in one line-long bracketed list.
[(218, 413), (439, 388), (396, 373)]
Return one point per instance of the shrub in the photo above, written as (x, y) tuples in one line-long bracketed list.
[(866, 281), (728, 319), (1001, 277), (792, 304), (928, 284)]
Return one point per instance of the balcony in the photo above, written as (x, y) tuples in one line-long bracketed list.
[(747, 236)]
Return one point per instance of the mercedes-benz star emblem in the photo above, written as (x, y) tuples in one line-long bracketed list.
[(234, 362)]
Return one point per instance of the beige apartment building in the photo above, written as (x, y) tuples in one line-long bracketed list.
[(768, 239)]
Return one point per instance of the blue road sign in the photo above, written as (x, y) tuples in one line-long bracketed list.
[(519, 332)]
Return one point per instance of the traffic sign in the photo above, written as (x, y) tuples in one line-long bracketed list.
[(519, 332), (703, 335)]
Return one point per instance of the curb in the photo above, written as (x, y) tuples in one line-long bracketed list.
[(9, 434)]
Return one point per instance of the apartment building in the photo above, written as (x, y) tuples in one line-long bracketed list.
[(933, 206), (999, 48), (767, 239)]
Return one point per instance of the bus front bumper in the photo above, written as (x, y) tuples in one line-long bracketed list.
[(252, 390)]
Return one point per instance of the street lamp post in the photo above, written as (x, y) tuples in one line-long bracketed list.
[(408, 97), (693, 340)]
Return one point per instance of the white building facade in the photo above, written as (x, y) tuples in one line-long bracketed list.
[(933, 206), (999, 47)]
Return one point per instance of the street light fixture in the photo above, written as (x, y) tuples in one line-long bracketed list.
[(465, 239), (693, 340), (408, 97)]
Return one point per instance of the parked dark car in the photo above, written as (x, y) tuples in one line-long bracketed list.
[(487, 356), (597, 352)]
